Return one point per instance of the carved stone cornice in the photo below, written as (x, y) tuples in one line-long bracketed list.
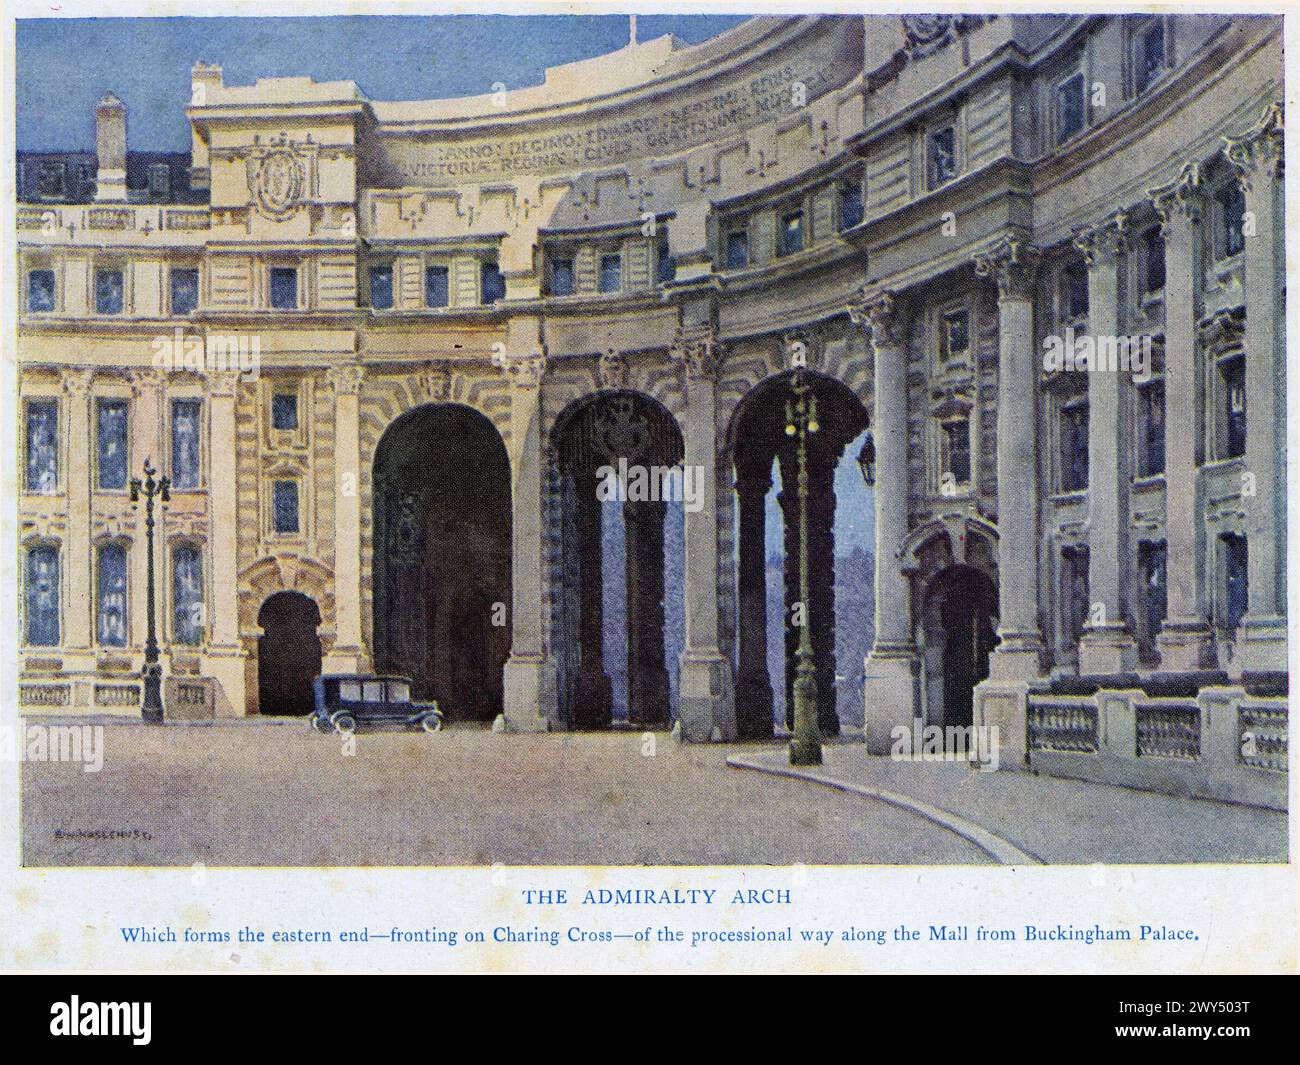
[(879, 310), (1260, 148), (346, 379), (1013, 263), (613, 369), (524, 371), (1178, 198), (1105, 241), (696, 348)]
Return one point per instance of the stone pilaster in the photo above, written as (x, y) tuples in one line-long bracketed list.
[(890, 688), (1107, 646), (530, 688), (1014, 266), (77, 627), (1184, 641), (705, 698), (1257, 158), (225, 658), (349, 652), (147, 391)]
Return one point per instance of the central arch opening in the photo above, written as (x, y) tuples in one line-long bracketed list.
[(442, 558), (288, 654)]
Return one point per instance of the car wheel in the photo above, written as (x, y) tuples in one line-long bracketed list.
[(432, 723), (345, 724)]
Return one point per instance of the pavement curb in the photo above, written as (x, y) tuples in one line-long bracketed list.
[(1000, 850)]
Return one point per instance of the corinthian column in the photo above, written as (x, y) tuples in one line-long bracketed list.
[(1107, 646), (889, 690), (1184, 639), (1014, 265), (529, 678), (349, 651), (705, 702), (1256, 156)]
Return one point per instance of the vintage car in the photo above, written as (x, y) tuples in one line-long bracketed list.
[(348, 702)]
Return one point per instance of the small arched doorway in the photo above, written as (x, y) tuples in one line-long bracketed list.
[(288, 654), (959, 632)]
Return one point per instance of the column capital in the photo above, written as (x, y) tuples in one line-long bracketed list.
[(346, 379), (879, 310), (697, 349), (147, 380), (524, 371), (1013, 263), (1258, 150), (77, 383), (1178, 198), (1105, 240), (222, 383)]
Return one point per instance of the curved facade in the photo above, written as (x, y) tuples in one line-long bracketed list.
[(922, 211)]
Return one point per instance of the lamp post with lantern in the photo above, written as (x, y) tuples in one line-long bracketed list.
[(151, 489), (800, 422)]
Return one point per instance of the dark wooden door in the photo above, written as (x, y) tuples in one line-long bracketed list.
[(288, 654)]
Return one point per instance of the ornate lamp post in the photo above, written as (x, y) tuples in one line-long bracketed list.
[(153, 704), (806, 743)]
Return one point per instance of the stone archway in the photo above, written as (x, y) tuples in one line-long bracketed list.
[(442, 533), (288, 654), (957, 619), (617, 467), (761, 448)]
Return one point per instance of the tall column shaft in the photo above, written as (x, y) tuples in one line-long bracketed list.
[(348, 642), (223, 497), (77, 630)]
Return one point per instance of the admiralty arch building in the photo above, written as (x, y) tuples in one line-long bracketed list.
[(382, 350)]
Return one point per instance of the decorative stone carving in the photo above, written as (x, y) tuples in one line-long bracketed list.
[(524, 371), (1182, 196), (276, 178), (1224, 332), (222, 383), (434, 382), (77, 383), (928, 33), (1105, 240), (878, 310), (613, 369), (697, 350), (1013, 263), (1260, 148), (346, 379)]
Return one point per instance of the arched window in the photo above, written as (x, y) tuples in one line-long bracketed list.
[(42, 596), (187, 595), (111, 597)]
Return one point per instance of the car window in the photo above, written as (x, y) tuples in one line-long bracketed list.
[(399, 691), (350, 691), (374, 690)]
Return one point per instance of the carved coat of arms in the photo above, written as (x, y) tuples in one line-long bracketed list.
[(275, 177)]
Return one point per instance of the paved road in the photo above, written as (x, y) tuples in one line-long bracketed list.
[(261, 794)]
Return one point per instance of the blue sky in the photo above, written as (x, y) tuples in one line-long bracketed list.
[(65, 65)]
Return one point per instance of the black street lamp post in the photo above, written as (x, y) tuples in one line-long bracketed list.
[(806, 742), (149, 488)]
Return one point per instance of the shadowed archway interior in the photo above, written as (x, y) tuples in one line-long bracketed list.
[(442, 558), (288, 653)]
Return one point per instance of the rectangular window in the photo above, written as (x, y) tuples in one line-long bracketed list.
[(1074, 593), (40, 291), (284, 502), (1151, 429), (1233, 437), (186, 425), (187, 595), (1151, 575), (492, 283), (50, 180), (1074, 447), (850, 196), (373, 691), (1230, 204), (111, 597), (561, 277), (957, 447), (284, 288), (185, 291), (1149, 57), (941, 156), (42, 588), (611, 273), (954, 334), (160, 182), (791, 234), (1074, 291), (1235, 595), (399, 691), (111, 443), (43, 446), (350, 691), (108, 291), (737, 249), (284, 411), (665, 268), (1153, 259), (1069, 108), (437, 286), (381, 287)]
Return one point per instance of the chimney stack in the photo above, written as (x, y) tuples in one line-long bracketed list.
[(110, 147)]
